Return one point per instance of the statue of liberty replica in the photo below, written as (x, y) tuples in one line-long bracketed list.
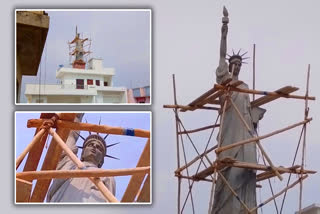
[(242, 181)]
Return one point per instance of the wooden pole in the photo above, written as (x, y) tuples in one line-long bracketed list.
[(254, 71), (233, 192), (250, 91), (211, 200), (218, 150), (36, 123), (192, 178), (278, 194), (240, 116), (35, 140), (177, 140), (257, 142), (66, 149), (199, 129), (306, 111), (63, 174), (185, 108), (194, 160), (239, 164), (99, 184)]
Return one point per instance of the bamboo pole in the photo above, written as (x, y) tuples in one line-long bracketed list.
[(250, 91), (306, 111), (49, 174), (257, 142), (194, 160), (90, 127), (185, 108), (279, 193), (239, 164), (266, 175), (192, 178), (35, 140), (211, 200), (199, 129), (219, 150), (240, 115), (66, 149), (269, 161), (177, 139), (233, 192), (254, 71), (99, 184)]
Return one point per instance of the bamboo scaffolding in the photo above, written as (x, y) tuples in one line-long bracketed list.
[(211, 200), (136, 180), (177, 139), (279, 193), (233, 192), (191, 178), (99, 184), (36, 123), (267, 98), (306, 111), (223, 91), (187, 170), (194, 160), (219, 150), (254, 71), (199, 129), (228, 162), (257, 142), (35, 153), (34, 141), (250, 91), (52, 158), (219, 93), (49, 174), (266, 175), (186, 108)]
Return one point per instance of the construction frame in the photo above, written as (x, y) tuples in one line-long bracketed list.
[(138, 189), (210, 101)]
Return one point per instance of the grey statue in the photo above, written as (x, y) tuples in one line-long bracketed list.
[(243, 181), (81, 189)]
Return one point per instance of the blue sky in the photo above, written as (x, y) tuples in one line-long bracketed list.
[(128, 151), (121, 38)]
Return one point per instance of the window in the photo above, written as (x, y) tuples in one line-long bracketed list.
[(105, 83), (98, 82), (89, 82), (80, 84)]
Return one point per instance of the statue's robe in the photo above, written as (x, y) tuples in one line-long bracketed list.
[(77, 189), (243, 181)]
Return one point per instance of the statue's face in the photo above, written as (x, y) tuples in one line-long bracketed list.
[(93, 152), (236, 63)]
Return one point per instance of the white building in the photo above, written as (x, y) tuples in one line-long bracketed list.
[(92, 85), (79, 84)]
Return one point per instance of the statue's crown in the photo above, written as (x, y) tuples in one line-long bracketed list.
[(238, 56)]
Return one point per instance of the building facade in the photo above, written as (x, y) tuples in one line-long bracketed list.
[(139, 95), (79, 85)]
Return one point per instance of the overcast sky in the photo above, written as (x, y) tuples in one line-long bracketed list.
[(186, 38), (128, 150), (120, 38)]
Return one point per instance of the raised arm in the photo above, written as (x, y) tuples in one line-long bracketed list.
[(222, 73), (224, 33)]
